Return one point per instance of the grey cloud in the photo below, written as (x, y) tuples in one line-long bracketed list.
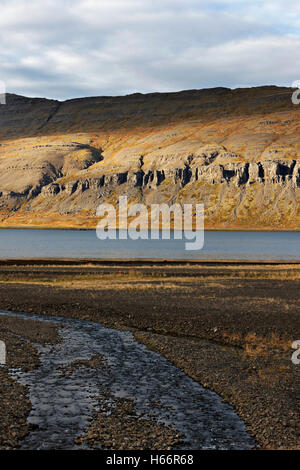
[(62, 49)]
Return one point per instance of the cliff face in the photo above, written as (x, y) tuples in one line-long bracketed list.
[(236, 151)]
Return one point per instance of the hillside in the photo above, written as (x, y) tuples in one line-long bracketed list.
[(236, 151)]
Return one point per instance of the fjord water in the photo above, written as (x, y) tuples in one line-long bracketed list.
[(222, 245)]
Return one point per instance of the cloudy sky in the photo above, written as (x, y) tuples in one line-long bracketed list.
[(71, 48)]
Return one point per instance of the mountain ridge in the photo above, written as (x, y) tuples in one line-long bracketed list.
[(236, 151)]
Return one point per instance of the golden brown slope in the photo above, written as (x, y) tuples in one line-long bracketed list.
[(235, 150)]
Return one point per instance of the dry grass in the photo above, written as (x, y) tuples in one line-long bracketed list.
[(122, 285), (108, 282), (291, 275), (258, 346), (261, 346)]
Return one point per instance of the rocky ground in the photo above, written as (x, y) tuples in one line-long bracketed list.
[(123, 430), (228, 327), (118, 426)]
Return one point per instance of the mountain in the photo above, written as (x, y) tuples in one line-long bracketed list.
[(236, 151)]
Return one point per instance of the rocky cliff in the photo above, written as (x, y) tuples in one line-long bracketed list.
[(236, 151)]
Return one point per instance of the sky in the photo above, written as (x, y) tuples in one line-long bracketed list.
[(65, 49)]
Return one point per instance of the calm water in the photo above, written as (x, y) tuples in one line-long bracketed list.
[(84, 244)]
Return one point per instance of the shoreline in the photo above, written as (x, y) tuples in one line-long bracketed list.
[(86, 229), (132, 262)]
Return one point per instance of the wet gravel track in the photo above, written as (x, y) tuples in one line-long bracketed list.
[(63, 406)]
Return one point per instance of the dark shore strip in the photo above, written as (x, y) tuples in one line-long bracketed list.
[(155, 262)]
